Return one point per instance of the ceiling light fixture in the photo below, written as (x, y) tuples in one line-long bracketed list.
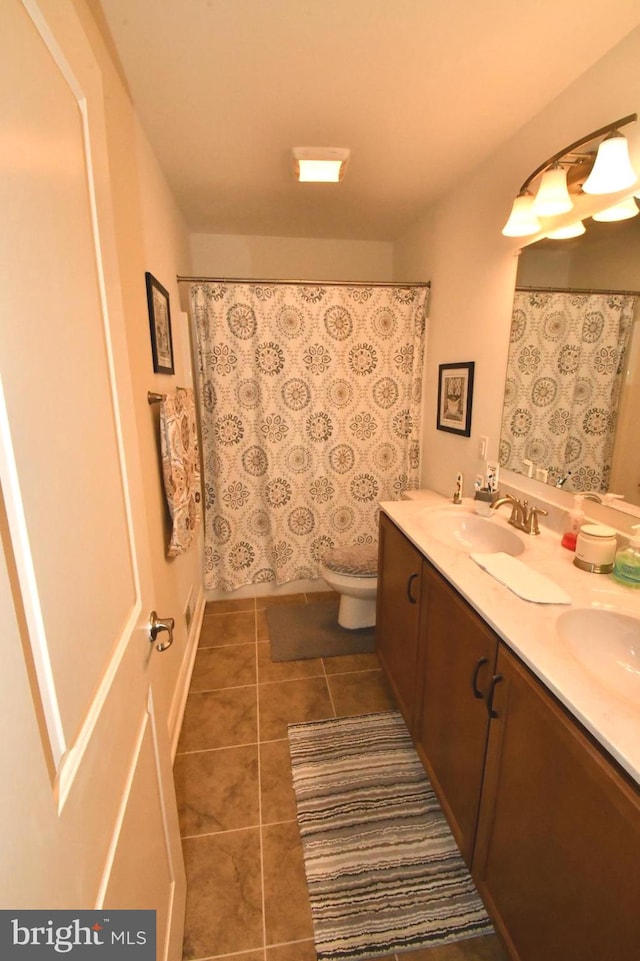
[(324, 165), (566, 173)]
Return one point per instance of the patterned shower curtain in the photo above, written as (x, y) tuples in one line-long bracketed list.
[(310, 402), (563, 381)]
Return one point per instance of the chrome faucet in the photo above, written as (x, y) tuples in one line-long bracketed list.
[(590, 496), (523, 516)]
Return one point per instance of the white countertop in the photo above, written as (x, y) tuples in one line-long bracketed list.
[(529, 628)]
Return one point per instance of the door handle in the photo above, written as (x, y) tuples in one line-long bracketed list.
[(156, 625), (495, 680), (474, 677), (412, 599)]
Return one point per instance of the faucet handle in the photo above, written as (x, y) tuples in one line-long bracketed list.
[(532, 519)]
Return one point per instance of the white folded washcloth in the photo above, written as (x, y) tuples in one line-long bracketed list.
[(526, 583)]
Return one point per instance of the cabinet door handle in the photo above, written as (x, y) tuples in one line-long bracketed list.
[(495, 680), (474, 678), (412, 599)]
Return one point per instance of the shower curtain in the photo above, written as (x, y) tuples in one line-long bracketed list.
[(310, 399), (563, 381)]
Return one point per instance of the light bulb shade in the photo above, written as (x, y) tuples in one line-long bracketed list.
[(626, 209), (522, 221), (612, 170), (565, 233), (552, 197)]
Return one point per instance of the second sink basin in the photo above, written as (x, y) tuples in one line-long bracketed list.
[(607, 644), (470, 533)]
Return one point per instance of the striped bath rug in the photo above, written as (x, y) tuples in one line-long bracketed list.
[(383, 870)]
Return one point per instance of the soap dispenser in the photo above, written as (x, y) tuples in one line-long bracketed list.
[(575, 520), (626, 569)]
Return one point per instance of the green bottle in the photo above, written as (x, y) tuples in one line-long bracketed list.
[(626, 569)]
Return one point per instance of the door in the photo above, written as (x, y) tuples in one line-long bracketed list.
[(398, 614), (457, 662), (88, 814), (558, 846)]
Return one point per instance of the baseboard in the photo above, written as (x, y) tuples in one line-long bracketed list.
[(179, 701)]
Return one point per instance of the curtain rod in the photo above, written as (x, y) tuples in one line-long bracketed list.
[(581, 290), (303, 283)]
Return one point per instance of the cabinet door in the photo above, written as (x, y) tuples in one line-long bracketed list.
[(557, 857), (457, 661), (398, 614)]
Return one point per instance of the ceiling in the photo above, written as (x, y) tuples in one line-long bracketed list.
[(420, 90)]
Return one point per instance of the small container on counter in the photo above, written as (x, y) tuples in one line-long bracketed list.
[(457, 494), (483, 500), (596, 546), (574, 521), (627, 565)]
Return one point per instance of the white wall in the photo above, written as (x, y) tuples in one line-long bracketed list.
[(290, 258), (458, 245)]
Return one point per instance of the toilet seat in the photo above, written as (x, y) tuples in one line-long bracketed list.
[(353, 573), (359, 560)]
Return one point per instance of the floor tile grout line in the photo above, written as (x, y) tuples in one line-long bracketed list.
[(294, 680), (287, 944), (233, 955), (326, 681), (223, 644), (218, 690), (231, 747), (219, 747), (220, 834), (245, 827)]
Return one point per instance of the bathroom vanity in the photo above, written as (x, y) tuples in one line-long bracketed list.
[(536, 763)]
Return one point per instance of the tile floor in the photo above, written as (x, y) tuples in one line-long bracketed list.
[(246, 891)]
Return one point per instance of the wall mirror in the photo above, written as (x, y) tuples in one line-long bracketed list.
[(571, 412)]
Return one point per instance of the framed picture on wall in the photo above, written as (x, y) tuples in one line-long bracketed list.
[(455, 397), (160, 324)]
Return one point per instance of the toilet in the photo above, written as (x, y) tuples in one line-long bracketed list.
[(353, 573)]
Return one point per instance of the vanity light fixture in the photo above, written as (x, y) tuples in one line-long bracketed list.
[(612, 170), (565, 233), (553, 195), (567, 172), (324, 165), (522, 221), (624, 210)]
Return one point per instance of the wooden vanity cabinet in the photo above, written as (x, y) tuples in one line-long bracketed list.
[(456, 664), (549, 824), (557, 857), (398, 614)]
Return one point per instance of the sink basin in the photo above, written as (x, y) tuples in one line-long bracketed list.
[(470, 533), (607, 644)]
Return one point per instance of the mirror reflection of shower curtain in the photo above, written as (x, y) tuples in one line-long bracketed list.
[(625, 467), (563, 381), (310, 402)]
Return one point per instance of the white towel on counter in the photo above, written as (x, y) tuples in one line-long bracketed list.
[(181, 467), (526, 583)]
